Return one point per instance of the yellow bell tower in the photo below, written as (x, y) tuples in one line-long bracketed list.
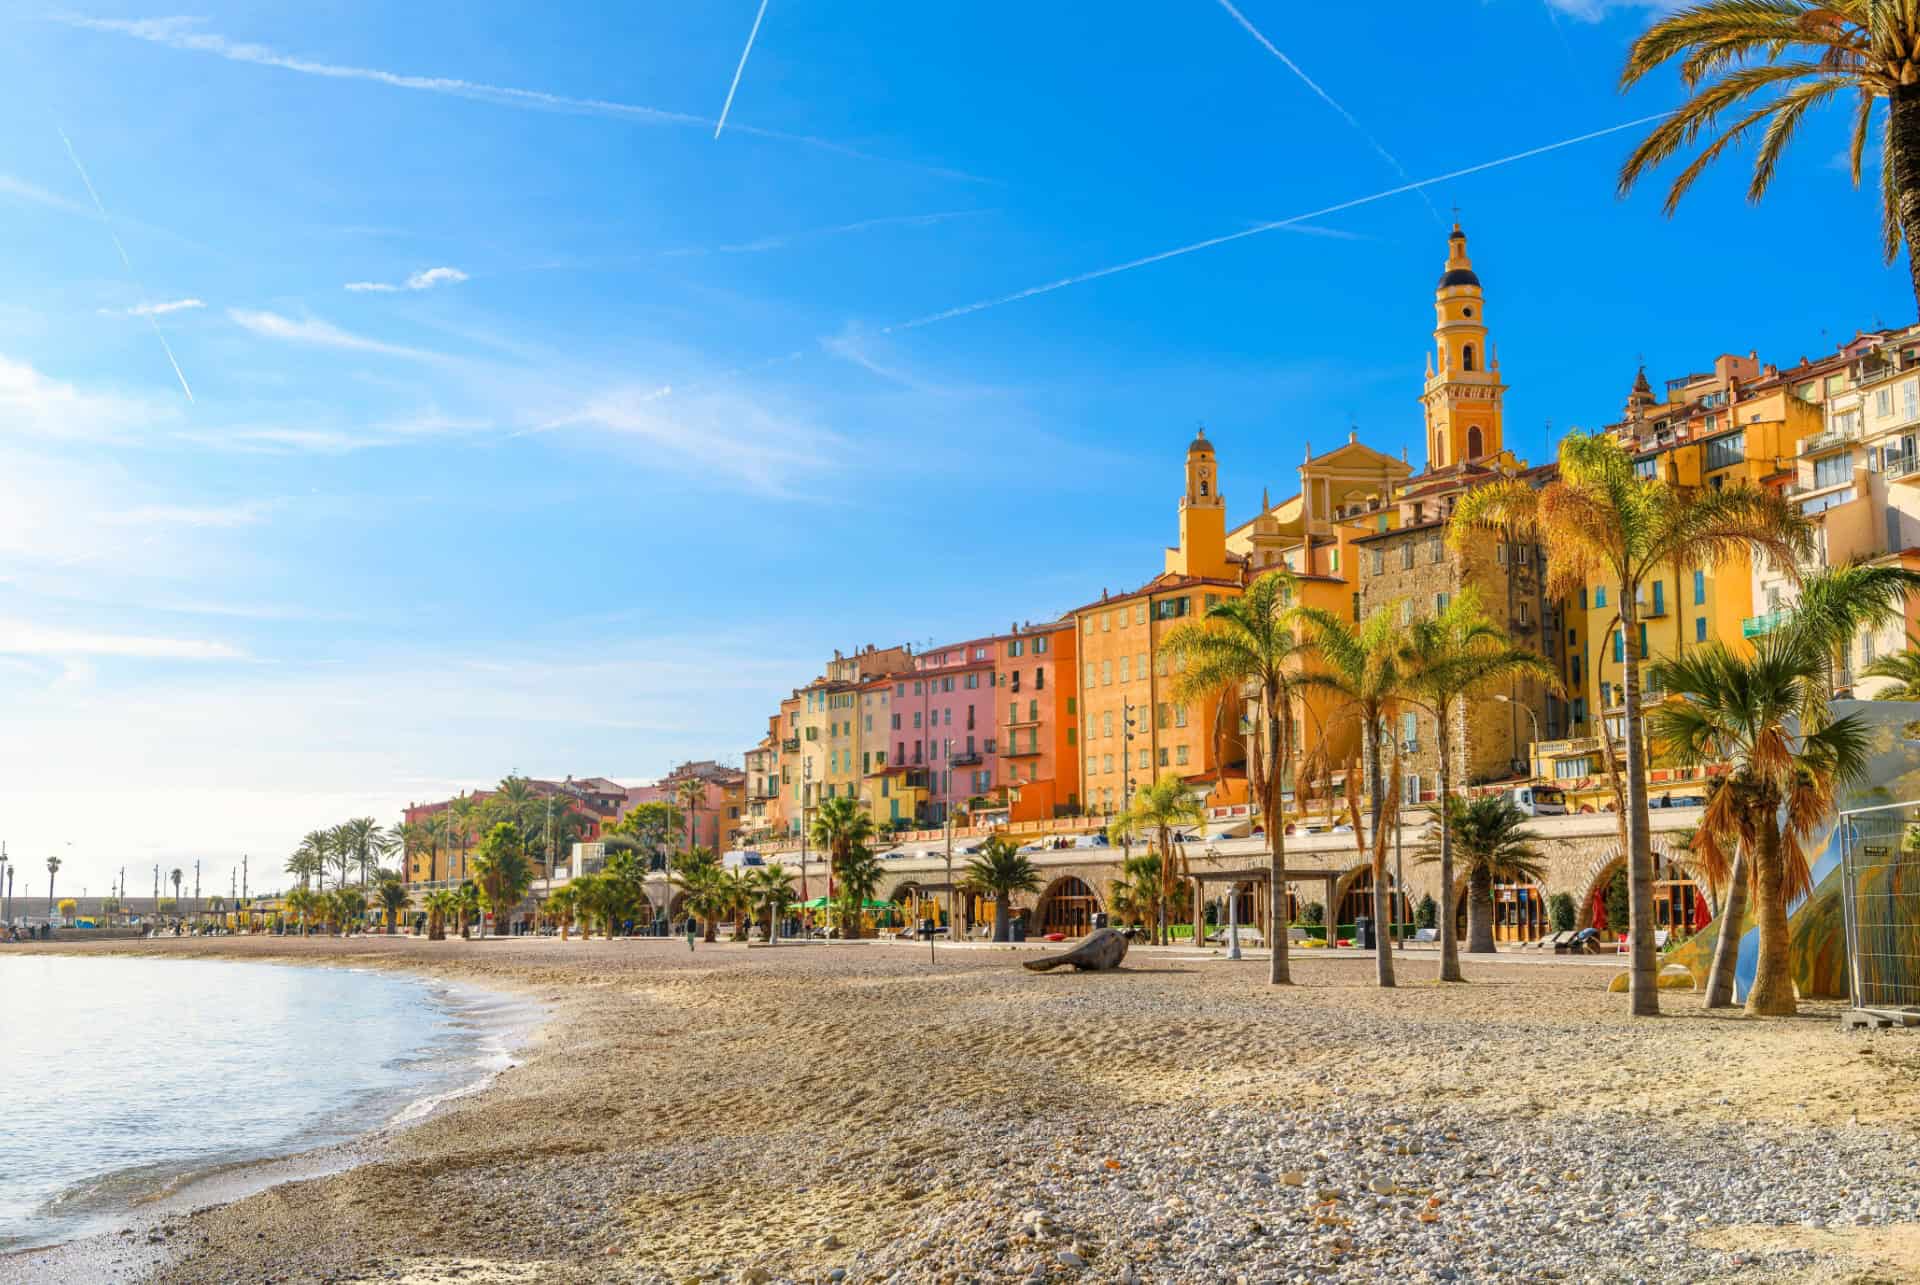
[(1463, 391), (1203, 517)]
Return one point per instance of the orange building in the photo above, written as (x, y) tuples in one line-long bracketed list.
[(1036, 679), (1131, 729)]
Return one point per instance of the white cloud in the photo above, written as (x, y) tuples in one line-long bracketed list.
[(726, 435), (425, 280), (35, 405), (322, 334), (184, 33), (22, 190), (24, 638), (1595, 10), (153, 309)]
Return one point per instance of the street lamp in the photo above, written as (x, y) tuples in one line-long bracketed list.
[(1533, 764)]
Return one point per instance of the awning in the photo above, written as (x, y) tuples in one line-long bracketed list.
[(821, 903)]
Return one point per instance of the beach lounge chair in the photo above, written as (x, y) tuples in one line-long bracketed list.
[(1561, 942)]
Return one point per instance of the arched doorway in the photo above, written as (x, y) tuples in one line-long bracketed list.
[(1474, 446), (1068, 907), (1680, 906), (1358, 899)]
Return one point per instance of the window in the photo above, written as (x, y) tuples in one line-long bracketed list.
[(1071, 735), (1015, 647), (1834, 470), (1699, 588), (1659, 597), (1071, 703), (1040, 646), (1583, 598), (1106, 620), (1124, 675), (1520, 616), (1409, 731), (1606, 695), (1883, 403), (1179, 715), (1163, 757), (1033, 711), (1379, 561), (1910, 399), (1162, 716), (1866, 649), (1619, 647), (1643, 640), (1572, 769), (1466, 357), (1106, 763), (1440, 601), (1106, 673), (1436, 549), (973, 682), (1600, 595), (1039, 677), (1106, 724), (1180, 755), (1406, 557), (1170, 608), (1406, 612), (1699, 629), (1724, 452)]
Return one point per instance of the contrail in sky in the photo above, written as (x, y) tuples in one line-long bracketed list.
[(1258, 228), (735, 86), (1329, 100), (127, 263)]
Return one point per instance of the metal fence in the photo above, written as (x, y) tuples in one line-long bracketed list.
[(1880, 899)]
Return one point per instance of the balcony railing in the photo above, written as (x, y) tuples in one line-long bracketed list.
[(790, 744), (966, 758), (1902, 466), (1755, 626), (1831, 437)]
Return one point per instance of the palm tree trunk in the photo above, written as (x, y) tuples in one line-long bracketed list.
[(1279, 971), (1449, 938), (1903, 127), (1726, 947), (1383, 944), (1644, 968), (1001, 913), (1479, 910), (1772, 993), (711, 933)]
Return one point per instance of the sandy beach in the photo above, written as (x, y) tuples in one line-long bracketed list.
[(855, 1113)]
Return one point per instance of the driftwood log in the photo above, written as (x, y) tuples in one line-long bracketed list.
[(1101, 951)]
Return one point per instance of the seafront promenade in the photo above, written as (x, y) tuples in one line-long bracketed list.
[(852, 1112)]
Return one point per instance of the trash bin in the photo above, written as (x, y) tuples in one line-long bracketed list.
[(1363, 932), (1017, 930), (1099, 919), (926, 930)]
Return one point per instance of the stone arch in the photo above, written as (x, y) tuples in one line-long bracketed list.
[(1475, 443), (1067, 906), (1358, 879), (1680, 897), (1467, 357)]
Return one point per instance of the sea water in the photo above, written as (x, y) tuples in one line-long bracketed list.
[(120, 1077)]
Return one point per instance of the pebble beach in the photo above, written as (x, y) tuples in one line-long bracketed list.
[(854, 1113)]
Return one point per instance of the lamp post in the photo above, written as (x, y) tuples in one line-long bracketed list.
[(1533, 763), (1233, 910)]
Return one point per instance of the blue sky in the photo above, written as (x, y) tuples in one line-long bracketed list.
[(626, 426)]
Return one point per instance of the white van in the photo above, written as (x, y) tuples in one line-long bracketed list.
[(736, 858), (1539, 800)]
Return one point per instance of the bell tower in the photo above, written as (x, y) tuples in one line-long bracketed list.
[(1203, 516), (1463, 391)]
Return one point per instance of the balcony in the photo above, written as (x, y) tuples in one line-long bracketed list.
[(966, 758), (1902, 468), (1755, 626), (1829, 439), (790, 745)]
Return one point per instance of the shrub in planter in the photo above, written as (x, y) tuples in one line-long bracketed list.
[(1427, 914), (1560, 906)]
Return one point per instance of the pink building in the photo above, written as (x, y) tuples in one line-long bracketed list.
[(943, 717), (716, 819)]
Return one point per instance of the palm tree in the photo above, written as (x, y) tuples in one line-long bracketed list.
[(560, 906), (1242, 642), (1369, 669), (53, 868), (697, 874), (562, 825), (300, 903), (1601, 519), (340, 851), (460, 823), (309, 860), (1811, 51), (348, 904), (442, 904), (174, 877), (860, 876), (365, 840), (1769, 718), (773, 894), (1456, 655), (839, 825), (1903, 668), (999, 870), (1490, 838), (691, 793), (1155, 812), (393, 898), (501, 872), (1138, 896)]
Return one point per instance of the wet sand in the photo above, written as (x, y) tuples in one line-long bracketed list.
[(758, 1115)]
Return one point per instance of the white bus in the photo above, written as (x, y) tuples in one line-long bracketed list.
[(1539, 800)]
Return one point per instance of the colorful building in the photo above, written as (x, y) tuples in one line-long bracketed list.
[(715, 819), (1037, 682)]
